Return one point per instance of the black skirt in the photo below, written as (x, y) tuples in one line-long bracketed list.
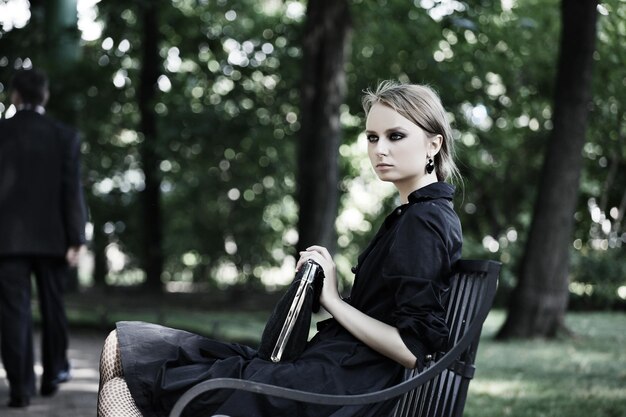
[(161, 363)]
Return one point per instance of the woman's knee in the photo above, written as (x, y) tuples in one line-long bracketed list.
[(111, 338), (110, 356), (111, 345)]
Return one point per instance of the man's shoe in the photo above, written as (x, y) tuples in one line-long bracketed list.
[(63, 376), (19, 402), (49, 388)]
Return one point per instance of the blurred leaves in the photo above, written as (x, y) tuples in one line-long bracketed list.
[(228, 123)]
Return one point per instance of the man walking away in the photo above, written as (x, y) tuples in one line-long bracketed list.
[(42, 229)]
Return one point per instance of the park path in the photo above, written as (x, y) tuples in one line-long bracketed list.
[(76, 398)]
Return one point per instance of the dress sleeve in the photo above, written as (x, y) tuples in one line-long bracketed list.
[(417, 270)]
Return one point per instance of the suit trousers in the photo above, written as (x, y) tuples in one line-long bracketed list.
[(16, 344)]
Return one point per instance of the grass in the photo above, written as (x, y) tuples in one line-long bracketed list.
[(242, 327), (582, 376)]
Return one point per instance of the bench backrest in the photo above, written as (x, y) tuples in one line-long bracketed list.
[(472, 285)]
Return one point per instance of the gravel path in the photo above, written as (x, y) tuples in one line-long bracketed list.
[(76, 398)]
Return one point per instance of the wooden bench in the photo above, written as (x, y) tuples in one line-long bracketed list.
[(439, 390)]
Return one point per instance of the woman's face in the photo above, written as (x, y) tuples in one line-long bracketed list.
[(398, 149)]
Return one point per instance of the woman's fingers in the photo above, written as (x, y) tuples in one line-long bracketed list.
[(321, 255), (306, 255), (318, 254), (321, 250)]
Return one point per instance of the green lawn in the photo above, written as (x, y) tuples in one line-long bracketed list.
[(583, 376), (242, 327)]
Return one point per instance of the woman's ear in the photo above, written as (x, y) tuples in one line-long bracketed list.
[(435, 144)]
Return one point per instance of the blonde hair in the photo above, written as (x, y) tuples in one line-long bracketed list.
[(421, 105)]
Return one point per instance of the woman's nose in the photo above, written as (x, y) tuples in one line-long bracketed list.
[(382, 147)]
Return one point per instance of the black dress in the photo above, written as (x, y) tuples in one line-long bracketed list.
[(400, 279)]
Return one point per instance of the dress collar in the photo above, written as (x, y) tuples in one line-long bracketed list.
[(430, 192), (433, 191)]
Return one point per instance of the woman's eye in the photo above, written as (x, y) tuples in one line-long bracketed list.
[(372, 138), (396, 136)]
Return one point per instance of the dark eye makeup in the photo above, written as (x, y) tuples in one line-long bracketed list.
[(393, 136)]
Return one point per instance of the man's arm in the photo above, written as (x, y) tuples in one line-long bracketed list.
[(74, 210)]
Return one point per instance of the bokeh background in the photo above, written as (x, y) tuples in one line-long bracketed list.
[(190, 116), (220, 136)]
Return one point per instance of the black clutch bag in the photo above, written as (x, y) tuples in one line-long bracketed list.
[(287, 330)]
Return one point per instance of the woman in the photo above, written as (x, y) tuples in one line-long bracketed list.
[(392, 320)]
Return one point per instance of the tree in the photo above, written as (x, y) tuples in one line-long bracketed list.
[(62, 52), (152, 257), (538, 304), (228, 117), (326, 37), (62, 32)]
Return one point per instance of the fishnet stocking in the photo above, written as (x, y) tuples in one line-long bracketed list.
[(114, 398), (110, 359)]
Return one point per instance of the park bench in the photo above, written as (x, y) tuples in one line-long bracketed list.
[(440, 389)]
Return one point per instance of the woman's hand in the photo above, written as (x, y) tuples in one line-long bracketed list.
[(321, 255), (380, 336)]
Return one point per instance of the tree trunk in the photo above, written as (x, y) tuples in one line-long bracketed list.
[(98, 247), (62, 35), (152, 234), (539, 302), (61, 54), (326, 38)]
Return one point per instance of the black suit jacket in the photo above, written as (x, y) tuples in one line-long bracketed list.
[(42, 209)]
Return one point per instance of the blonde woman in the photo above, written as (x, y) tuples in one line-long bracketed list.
[(393, 318)]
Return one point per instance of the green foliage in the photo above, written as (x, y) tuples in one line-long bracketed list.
[(225, 136), (494, 72), (597, 280), (227, 110), (494, 68), (228, 116)]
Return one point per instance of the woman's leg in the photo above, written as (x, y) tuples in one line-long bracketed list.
[(114, 398), (110, 359)]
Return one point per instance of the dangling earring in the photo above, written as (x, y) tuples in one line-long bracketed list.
[(430, 165)]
